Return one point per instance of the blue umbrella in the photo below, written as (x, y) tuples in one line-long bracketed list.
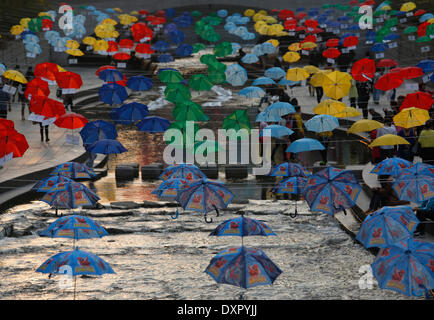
[(276, 131), (331, 190), (170, 27), (160, 46), (153, 124), (98, 130), (107, 146), (205, 196), (165, 58), (268, 48), (222, 13), (304, 144), (252, 92), (415, 183), (140, 83), (171, 187), (79, 262), (70, 195), (387, 226), (170, 13), (130, 113), (275, 73), (74, 170), (391, 37), (47, 183), (183, 171), (236, 75), (284, 82), (378, 47), (263, 81), (292, 185), (2, 68), (426, 65), (176, 36), (391, 166), (322, 123), (406, 267), (426, 17), (184, 50), (278, 109), (111, 75), (235, 47), (112, 93), (243, 267), (250, 58), (289, 169)]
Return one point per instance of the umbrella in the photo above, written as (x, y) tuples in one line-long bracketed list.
[(237, 120), (171, 187), (405, 267), (275, 73), (363, 70), (107, 146), (15, 143), (388, 140), (98, 130), (70, 195), (205, 196), (200, 82), (140, 83), (37, 87), (130, 113), (336, 84), (170, 76), (184, 50), (387, 226), (71, 121), (330, 107), (411, 117), (426, 65), (189, 111), (263, 81), (391, 166), (415, 183), (48, 183), (276, 131), (112, 93), (348, 112), (278, 109), (387, 63), (79, 263), (110, 75), (297, 74), (182, 171), (68, 80), (236, 75), (153, 124), (100, 69), (389, 81), (364, 125), (15, 76), (160, 46), (332, 190), (46, 107), (417, 99), (74, 170), (322, 123), (252, 92), (289, 169), (243, 267), (223, 49), (165, 58), (176, 93), (293, 185), (304, 144), (291, 57), (250, 58)]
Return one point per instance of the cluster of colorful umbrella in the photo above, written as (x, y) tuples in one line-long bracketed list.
[(62, 192)]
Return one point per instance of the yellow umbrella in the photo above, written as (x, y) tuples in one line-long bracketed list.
[(330, 107), (431, 20), (364, 125), (271, 20), (282, 34), (411, 117), (311, 69), (291, 57), (75, 52), (15, 75), (408, 6), (263, 12), (294, 46), (135, 12), (386, 8), (262, 29), (348, 113), (258, 16), (318, 78), (100, 45), (90, 41), (24, 22), (60, 69), (274, 42), (296, 74), (109, 21), (114, 34), (17, 29), (274, 29), (336, 84), (249, 12), (117, 9), (72, 44), (308, 45), (388, 140)]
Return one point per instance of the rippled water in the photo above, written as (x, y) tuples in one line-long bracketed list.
[(156, 257)]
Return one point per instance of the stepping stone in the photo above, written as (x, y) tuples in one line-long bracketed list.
[(125, 172), (211, 171), (236, 171), (152, 171), (125, 205)]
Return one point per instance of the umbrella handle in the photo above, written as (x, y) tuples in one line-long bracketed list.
[(175, 216), (217, 210), (208, 221)]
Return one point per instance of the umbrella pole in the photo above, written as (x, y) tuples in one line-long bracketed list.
[(75, 285)]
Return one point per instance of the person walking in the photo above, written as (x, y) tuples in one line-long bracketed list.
[(405, 151), (363, 99), (388, 128), (5, 104), (68, 100), (426, 141), (353, 94), (376, 92), (43, 128), (22, 98)]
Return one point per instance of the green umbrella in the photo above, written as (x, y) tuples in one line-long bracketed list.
[(216, 77), (430, 30), (46, 17), (196, 13), (216, 66), (223, 49), (200, 82), (197, 47), (391, 22), (176, 92), (35, 25), (189, 111), (379, 13), (411, 29), (326, 6), (214, 21), (170, 76), (423, 39), (199, 26), (208, 58), (186, 135), (237, 120), (210, 35)]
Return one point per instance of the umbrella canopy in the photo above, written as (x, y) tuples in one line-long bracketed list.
[(177, 93), (391, 166), (411, 117), (200, 82), (182, 171), (236, 75), (387, 63), (422, 100), (332, 190), (140, 83), (289, 169), (293, 185), (107, 146), (348, 113), (189, 111), (110, 75), (48, 183), (363, 70), (237, 120), (243, 267), (389, 81), (276, 131), (15, 75), (112, 93), (275, 111), (37, 87), (71, 121), (305, 144), (70, 195), (297, 74), (252, 92), (153, 124), (171, 187), (46, 107), (263, 81), (322, 123), (415, 183), (336, 84), (364, 125), (330, 107), (405, 267), (250, 58), (388, 140), (387, 226), (74, 227), (74, 170), (170, 76), (275, 73), (68, 80), (130, 113), (242, 227), (98, 130)]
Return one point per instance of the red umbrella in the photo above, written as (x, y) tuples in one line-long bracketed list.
[(15, 143), (46, 107), (122, 82), (126, 44), (158, 20), (354, 2), (7, 123), (368, 3), (143, 12), (69, 80), (47, 24), (290, 24), (411, 72), (300, 16), (309, 38), (387, 63), (160, 13), (104, 68), (389, 81), (71, 121), (112, 47), (6, 129), (144, 48), (122, 56), (331, 53), (46, 71), (421, 30), (300, 28), (334, 42), (419, 12), (285, 14), (363, 69), (351, 41), (310, 23), (37, 87), (317, 30), (140, 30), (422, 100)]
